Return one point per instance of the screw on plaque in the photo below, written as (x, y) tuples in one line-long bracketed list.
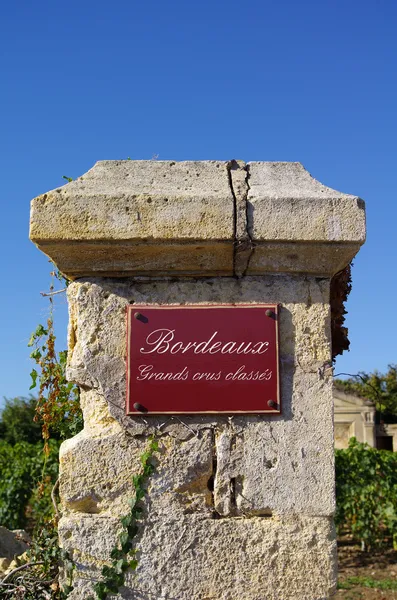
[(269, 313), (140, 317), (138, 407), (272, 404)]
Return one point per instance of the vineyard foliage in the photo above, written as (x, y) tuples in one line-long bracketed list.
[(23, 502), (366, 494)]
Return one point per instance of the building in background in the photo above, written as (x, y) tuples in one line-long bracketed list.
[(355, 417), (386, 436)]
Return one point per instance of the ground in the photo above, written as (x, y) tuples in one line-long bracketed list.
[(366, 575)]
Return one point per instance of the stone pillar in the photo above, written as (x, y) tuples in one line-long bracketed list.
[(240, 507)]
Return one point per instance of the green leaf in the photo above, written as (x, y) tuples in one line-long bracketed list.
[(33, 375), (144, 457), (38, 333), (119, 565), (113, 585), (123, 537), (127, 520), (35, 354), (116, 553), (126, 547), (154, 446), (137, 480), (139, 494), (108, 572), (133, 564), (100, 590)]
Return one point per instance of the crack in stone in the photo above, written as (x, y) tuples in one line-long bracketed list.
[(226, 483), (211, 480), (243, 246), (229, 174), (233, 502), (249, 220)]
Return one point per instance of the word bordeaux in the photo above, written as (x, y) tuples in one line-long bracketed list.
[(161, 340), (202, 359)]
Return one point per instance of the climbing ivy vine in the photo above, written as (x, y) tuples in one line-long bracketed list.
[(124, 555)]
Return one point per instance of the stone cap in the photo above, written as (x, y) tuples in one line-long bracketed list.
[(199, 218)]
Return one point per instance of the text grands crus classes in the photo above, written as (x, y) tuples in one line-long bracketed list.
[(161, 341)]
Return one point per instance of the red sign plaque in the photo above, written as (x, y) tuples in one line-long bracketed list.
[(202, 359)]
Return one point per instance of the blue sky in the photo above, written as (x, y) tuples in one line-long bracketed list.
[(301, 81)]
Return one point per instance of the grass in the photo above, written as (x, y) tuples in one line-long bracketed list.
[(368, 582)]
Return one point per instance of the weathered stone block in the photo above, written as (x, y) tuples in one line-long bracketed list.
[(288, 204), (206, 559), (96, 474), (152, 218), (239, 507), (117, 200), (297, 224), (139, 217)]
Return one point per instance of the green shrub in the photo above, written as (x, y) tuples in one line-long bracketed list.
[(366, 493), (22, 501), (17, 422)]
